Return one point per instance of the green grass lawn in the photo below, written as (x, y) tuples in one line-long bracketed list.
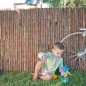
[(23, 78)]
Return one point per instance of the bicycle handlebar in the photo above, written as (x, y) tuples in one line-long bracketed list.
[(83, 29)]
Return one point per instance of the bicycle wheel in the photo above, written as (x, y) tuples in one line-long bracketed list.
[(75, 51)]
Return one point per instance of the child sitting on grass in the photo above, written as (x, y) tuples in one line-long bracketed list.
[(49, 62)]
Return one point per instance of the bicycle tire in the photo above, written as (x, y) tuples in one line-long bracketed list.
[(75, 44)]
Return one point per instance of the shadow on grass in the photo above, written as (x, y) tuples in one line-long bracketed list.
[(1, 72)]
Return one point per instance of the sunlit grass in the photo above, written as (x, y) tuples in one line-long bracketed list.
[(23, 78)]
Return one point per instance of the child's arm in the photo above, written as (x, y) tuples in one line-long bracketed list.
[(43, 59), (61, 64)]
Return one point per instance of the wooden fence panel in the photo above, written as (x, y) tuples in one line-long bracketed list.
[(24, 34)]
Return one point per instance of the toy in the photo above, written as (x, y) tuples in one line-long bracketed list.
[(64, 80), (55, 76), (65, 71), (64, 74)]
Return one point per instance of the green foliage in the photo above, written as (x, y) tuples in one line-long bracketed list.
[(60, 3), (56, 3), (80, 3), (23, 78)]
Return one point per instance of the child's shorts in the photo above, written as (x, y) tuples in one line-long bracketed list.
[(43, 72)]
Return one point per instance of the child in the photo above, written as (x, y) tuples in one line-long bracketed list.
[(49, 62)]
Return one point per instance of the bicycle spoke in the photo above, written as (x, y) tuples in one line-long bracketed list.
[(71, 51), (84, 58), (72, 59), (83, 63), (68, 53), (82, 45), (74, 54), (73, 48)]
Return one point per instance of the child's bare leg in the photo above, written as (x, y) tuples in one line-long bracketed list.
[(38, 68), (46, 77)]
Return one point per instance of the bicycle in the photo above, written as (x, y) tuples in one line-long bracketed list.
[(75, 49)]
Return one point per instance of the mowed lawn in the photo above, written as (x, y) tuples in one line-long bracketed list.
[(23, 78)]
